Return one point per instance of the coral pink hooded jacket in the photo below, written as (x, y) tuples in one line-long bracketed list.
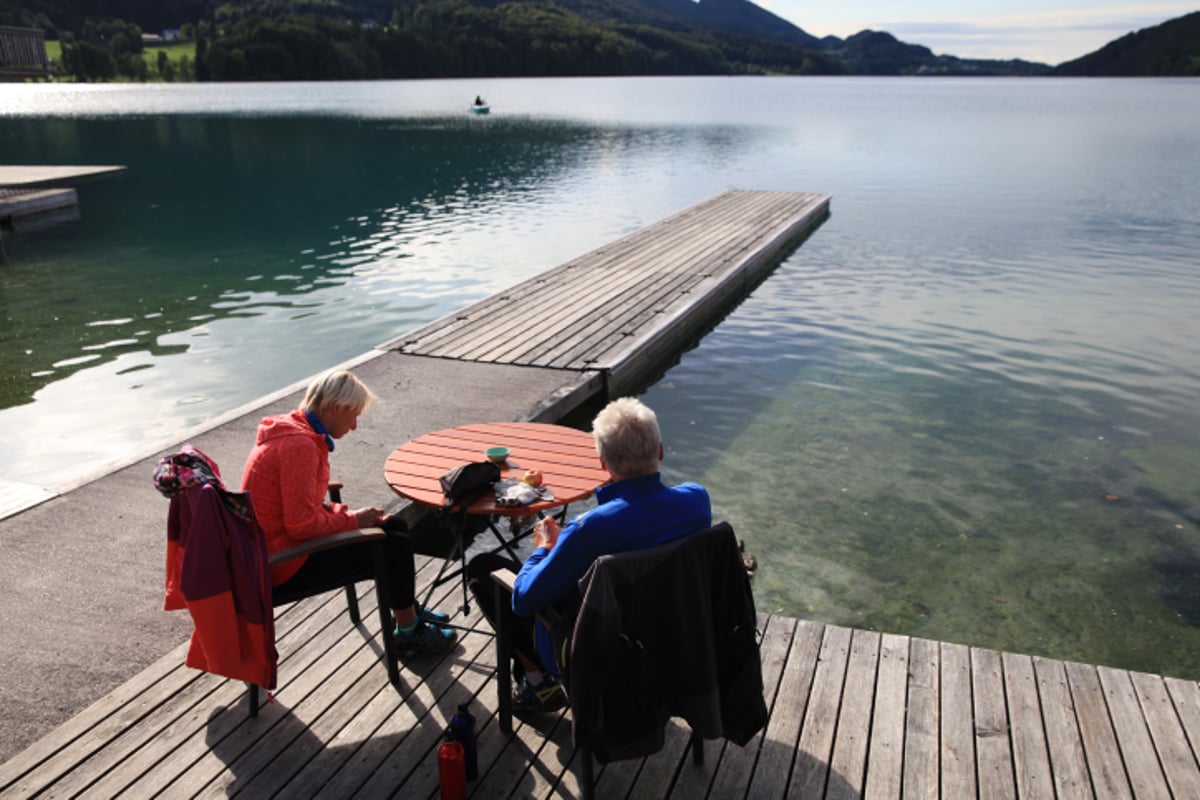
[(287, 475)]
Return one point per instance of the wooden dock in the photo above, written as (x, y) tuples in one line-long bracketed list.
[(22, 176), (32, 195), (18, 203), (625, 308), (853, 714)]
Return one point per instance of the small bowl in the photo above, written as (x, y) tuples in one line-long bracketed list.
[(497, 455)]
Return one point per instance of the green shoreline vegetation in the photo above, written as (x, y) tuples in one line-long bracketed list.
[(265, 40)]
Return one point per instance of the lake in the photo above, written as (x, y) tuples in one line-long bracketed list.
[(965, 408)]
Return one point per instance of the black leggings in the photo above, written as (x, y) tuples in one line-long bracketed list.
[(484, 589), (329, 568)]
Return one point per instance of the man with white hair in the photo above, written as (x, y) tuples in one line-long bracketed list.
[(634, 511)]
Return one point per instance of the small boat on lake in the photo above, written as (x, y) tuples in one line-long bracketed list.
[(480, 106)]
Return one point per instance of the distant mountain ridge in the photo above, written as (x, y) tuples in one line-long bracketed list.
[(1172, 48), (867, 52)]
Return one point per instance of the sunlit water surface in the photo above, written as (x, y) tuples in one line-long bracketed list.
[(964, 409)]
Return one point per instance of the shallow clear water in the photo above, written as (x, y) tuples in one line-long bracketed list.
[(963, 408)]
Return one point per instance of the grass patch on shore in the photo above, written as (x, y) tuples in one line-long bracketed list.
[(176, 52)]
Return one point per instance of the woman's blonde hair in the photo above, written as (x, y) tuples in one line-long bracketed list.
[(337, 388), (627, 437)]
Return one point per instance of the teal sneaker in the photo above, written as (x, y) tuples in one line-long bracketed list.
[(431, 616), (423, 640)]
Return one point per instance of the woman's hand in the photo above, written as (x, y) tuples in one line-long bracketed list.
[(545, 533), (370, 517)]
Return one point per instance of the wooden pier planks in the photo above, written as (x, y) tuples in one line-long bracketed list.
[(853, 713), (30, 175), (622, 308)]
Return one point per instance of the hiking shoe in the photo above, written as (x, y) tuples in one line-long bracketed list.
[(423, 640), (431, 616), (546, 696)]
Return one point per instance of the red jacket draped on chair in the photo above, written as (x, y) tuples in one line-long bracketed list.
[(217, 569)]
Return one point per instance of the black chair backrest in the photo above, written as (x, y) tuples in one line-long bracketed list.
[(666, 631)]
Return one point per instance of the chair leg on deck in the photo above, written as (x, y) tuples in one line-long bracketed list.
[(386, 624), (503, 663), (587, 774), (352, 603), (697, 749), (252, 699)]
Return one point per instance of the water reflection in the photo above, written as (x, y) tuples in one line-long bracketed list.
[(218, 218)]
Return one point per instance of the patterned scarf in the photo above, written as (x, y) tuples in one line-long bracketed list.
[(192, 467)]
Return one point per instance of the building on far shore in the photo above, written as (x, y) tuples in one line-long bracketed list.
[(23, 54)]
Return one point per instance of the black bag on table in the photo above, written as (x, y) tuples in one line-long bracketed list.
[(468, 483)]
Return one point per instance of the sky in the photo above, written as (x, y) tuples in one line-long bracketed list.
[(1049, 31)]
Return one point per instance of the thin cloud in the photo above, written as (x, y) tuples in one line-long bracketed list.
[(1047, 35)]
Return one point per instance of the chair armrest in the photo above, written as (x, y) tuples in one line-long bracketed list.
[(328, 542), (507, 579)]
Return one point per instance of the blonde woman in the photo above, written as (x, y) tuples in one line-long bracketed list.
[(287, 475)]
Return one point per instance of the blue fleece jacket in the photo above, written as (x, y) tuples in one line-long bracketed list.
[(630, 514)]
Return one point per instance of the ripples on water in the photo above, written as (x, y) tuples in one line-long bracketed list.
[(963, 409), (979, 445)]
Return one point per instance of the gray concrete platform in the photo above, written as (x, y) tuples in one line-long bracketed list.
[(83, 572)]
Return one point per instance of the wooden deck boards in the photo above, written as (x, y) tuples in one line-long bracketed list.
[(621, 307), (854, 713)]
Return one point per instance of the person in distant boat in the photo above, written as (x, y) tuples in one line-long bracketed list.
[(635, 510), (479, 101), (287, 475)]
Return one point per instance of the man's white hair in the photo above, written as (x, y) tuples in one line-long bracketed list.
[(627, 437)]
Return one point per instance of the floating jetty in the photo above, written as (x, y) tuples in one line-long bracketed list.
[(34, 195), (31, 176)]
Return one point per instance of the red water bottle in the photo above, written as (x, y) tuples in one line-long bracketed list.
[(452, 769)]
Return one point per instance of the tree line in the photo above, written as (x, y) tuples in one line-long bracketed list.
[(271, 40)]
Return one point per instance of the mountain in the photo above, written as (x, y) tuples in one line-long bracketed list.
[(317, 39), (1172, 48), (879, 53)]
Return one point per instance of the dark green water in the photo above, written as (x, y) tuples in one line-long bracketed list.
[(963, 409)]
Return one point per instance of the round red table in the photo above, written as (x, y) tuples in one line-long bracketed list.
[(566, 458)]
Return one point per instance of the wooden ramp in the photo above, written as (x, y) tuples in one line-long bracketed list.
[(624, 308), (853, 714)]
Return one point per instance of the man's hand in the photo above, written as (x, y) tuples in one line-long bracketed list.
[(545, 533)]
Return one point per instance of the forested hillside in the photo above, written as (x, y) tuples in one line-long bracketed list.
[(1172, 48), (363, 39)]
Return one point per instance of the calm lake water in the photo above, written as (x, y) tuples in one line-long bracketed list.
[(964, 409)]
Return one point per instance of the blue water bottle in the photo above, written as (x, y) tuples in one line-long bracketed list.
[(463, 726)]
